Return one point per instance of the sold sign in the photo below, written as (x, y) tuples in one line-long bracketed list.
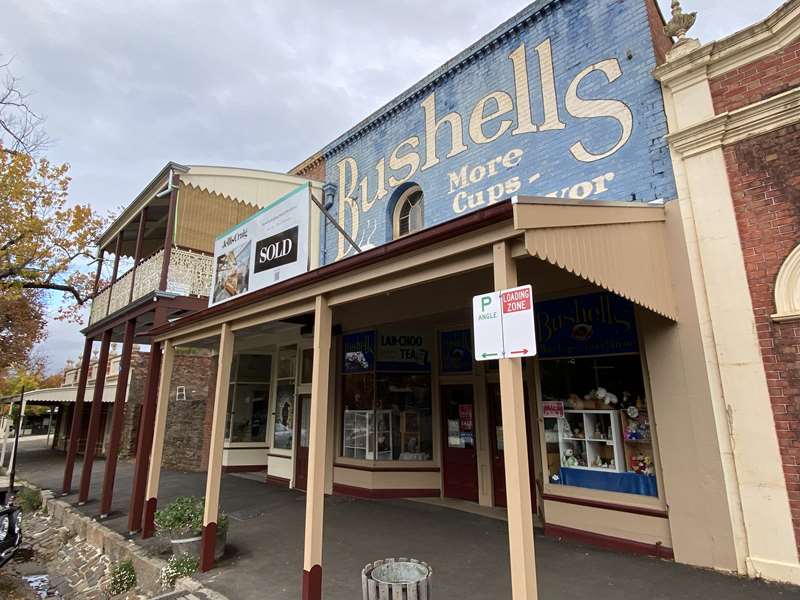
[(503, 324)]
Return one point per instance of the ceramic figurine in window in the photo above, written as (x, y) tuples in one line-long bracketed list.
[(632, 431), (598, 432), (570, 460), (627, 400), (578, 432)]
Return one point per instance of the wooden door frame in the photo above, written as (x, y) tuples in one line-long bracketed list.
[(531, 425), (300, 389), (465, 380)]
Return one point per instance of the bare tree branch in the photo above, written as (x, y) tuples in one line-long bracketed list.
[(20, 126), (56, 287)]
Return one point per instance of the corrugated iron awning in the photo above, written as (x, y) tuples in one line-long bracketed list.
[(618, 246)]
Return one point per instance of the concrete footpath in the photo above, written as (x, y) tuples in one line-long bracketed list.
[(468, 552)]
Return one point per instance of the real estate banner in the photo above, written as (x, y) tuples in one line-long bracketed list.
[(270, 246)]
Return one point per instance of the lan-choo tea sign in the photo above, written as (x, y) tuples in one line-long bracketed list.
[(503, 324), (268, 247)]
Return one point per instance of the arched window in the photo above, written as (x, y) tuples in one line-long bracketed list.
[(409, 212), (787, 288)]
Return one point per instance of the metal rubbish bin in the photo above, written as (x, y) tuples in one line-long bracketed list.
[(396, 579)]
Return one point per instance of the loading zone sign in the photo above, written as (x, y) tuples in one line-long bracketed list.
[(503, 324)]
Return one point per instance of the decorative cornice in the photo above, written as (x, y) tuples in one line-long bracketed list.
[(743, 47), (731, 127)]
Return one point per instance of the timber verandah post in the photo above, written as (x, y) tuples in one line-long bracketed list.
[(116, 422), (214, 472), (159, 432), (77, 411), (77, 417), (94, 418), (518, 490), (145, 437), (315, 487)]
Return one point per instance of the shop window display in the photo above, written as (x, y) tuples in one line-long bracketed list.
[(249, 397), (283, 434), (596, 424), (386, 415)]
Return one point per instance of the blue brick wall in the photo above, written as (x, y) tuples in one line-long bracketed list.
[(581, 33)]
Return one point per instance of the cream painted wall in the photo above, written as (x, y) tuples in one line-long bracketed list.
[(753, 483), (612, 523)]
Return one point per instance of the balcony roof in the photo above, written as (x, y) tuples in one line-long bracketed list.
[(222, 180)]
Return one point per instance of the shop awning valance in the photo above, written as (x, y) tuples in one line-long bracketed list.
[(618, 246)]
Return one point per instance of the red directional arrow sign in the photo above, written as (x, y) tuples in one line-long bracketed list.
[(519, 337)]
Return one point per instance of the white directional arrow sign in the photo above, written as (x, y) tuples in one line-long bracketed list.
[(487, 326), (519, 336), (503, 324)]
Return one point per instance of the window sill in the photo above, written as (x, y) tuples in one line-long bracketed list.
[(385, 465), (610, 500)]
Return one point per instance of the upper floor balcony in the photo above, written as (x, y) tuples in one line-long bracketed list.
[(188, 274), (162, 244)]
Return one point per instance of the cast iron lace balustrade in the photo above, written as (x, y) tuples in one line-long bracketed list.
[(189, 274)]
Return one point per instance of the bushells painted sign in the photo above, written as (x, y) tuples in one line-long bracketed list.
[(559, 101), (268, 247)]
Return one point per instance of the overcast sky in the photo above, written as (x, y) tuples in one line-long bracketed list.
[(128, 86)]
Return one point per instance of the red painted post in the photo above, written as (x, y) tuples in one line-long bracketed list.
[(145, 440), (94, 418), (77, 415), (117, 419)]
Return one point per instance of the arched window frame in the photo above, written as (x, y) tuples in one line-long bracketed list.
[(787, 288), (398, 208)]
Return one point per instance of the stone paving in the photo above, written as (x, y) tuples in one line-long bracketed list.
[(469, 553)]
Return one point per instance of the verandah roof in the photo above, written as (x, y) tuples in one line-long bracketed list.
[(618, 246)]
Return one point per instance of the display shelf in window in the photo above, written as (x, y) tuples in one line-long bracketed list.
[(638, 440), (367, 434), (591, 439)]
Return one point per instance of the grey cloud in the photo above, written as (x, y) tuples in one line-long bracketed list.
[(128, 86)]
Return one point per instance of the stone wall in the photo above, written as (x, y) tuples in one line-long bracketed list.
[(80, 550), (130, 424), (188, 433)]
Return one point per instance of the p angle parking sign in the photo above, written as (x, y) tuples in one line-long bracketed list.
[(503, 324)]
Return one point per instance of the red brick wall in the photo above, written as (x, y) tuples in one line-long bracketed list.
[(758, 80), (764, 174), (662, 43)]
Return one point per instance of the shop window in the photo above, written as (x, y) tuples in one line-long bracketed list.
[(455, 351), (249, 398), (409, 212), (283, 434), (597, 424), (306, 365), (386, 405)]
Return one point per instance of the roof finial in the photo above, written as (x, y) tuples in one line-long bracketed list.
[(680, 22), (677, 26)]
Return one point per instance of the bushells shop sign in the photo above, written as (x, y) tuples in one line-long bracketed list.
[(270, 246), (559, 101)]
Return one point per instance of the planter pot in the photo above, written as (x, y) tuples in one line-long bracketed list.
[(192, 545)]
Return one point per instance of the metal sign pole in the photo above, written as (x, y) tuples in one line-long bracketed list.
[(4, 433), (13, 466)]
